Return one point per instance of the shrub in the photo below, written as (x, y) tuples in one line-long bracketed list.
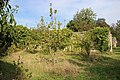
[(86, 42), (100, 38)]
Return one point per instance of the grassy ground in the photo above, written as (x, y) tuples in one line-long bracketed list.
[(68, 66), (116, 50)]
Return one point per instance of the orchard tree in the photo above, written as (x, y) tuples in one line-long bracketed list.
[(24, 36), (86, 42), (83, 20), (7, 22), (42, 30), (57, 39)]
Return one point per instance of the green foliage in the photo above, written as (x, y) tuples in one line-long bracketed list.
[(59, 39), (100, 38), (76, 40), (56, 39), (30, 39), (83, 20), (101, 23), (96, 38), (86, 42), (72, 26), (23, 36), (7, 22), (116, 31)]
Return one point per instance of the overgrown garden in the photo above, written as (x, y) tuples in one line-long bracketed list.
[(79, 51)]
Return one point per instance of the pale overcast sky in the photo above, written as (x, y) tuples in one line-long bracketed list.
[(30, 10)]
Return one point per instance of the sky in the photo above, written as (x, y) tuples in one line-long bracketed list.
[(30, 11)]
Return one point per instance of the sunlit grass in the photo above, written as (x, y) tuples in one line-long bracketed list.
[(70, 66)]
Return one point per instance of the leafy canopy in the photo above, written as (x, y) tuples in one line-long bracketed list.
[(7, 22), (100, 38), (83, 20)]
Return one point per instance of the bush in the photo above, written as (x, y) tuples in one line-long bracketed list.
[(86, 42), (100, 38)]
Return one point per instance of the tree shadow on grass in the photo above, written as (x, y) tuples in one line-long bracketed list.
[(97, 67), (7, 71)]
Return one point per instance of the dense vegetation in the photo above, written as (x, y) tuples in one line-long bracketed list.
[(116, 31), (7, 22), (83, 20), (49, 52)]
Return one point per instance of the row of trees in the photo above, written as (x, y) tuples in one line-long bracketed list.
[(96, 31), (96, 38), (22, 37), (46, 36), (85, 20)]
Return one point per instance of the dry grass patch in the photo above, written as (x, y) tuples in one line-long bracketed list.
[(38, 64), (64, 68)]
